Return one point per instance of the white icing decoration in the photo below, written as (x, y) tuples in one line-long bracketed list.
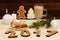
[(30, 13)]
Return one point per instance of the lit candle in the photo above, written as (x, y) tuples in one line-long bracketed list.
[(6, 11), (14, 15), (54, 18)]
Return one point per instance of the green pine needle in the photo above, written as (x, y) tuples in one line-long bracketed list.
[(41, 23)]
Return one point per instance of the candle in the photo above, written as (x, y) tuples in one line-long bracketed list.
[(14, 16), (6, 10), (55, 23)]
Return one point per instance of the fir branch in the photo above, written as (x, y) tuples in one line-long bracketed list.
[(41, 23)]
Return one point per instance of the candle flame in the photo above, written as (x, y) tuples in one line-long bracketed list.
[(54, 18), (6, 11)]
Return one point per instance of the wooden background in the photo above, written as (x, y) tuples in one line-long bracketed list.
[(53, 6)]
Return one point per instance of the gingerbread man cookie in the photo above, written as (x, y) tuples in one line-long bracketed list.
[(21, 12)]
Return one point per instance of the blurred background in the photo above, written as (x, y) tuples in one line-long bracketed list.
[(52, 6)]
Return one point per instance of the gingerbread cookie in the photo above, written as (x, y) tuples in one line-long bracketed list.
[(21, 12), (25, 33), (9, 31), (51, 32), (37, 32), (12, 35)]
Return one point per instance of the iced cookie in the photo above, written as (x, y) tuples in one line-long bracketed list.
[(25, 33), (21, 12), (12, 35), (51, 32)]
